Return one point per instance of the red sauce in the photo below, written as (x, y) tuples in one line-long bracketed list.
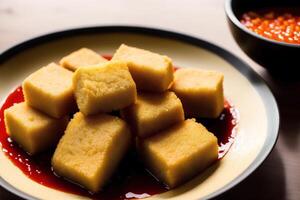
[(274, 23), (224, 127), (132, 180), (108, 57)]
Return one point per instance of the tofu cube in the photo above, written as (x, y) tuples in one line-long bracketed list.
[(153, 112), (104, 88), (49, 90), (150, 71), (177, 154), (200, 91), (33, 130), (80, 58), (91, 149)]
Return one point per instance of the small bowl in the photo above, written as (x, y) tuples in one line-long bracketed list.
[(274, 55)]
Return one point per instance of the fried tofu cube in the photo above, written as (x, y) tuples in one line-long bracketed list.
[(150, 71), (33, 130), (180, 152), (49, 90), (91, 149), (200, 91), (104, 88), (80, 58), (153, 112)]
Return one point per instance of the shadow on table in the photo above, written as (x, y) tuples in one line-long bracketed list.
[(286, 90), (268, 181), (257, 185), (5, 195)]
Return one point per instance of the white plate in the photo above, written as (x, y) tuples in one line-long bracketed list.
[(259, 119)]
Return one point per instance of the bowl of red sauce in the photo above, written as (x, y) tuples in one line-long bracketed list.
[(267, 31)]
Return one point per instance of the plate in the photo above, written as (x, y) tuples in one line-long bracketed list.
[(259, 118)]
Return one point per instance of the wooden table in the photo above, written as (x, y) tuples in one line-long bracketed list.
[(279, 176)]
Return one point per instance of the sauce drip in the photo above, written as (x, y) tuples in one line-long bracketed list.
[(131, 180)]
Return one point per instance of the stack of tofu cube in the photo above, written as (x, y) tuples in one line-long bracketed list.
[(157, 110)]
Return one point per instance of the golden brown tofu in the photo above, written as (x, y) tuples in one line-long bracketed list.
[(49, 90), (91, 149), (180, 152), (200, 91), (153, 112), (150, 71), (104, 88), (81, 58), (33, 130)]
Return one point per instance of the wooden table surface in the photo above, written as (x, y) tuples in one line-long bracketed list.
[(279, 176)]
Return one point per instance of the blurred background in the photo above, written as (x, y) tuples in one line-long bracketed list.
[(279, 176)]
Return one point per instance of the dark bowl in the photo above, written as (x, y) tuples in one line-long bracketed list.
[(273, 55)]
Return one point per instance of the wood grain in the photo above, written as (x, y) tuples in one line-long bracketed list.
[(279, 176)]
